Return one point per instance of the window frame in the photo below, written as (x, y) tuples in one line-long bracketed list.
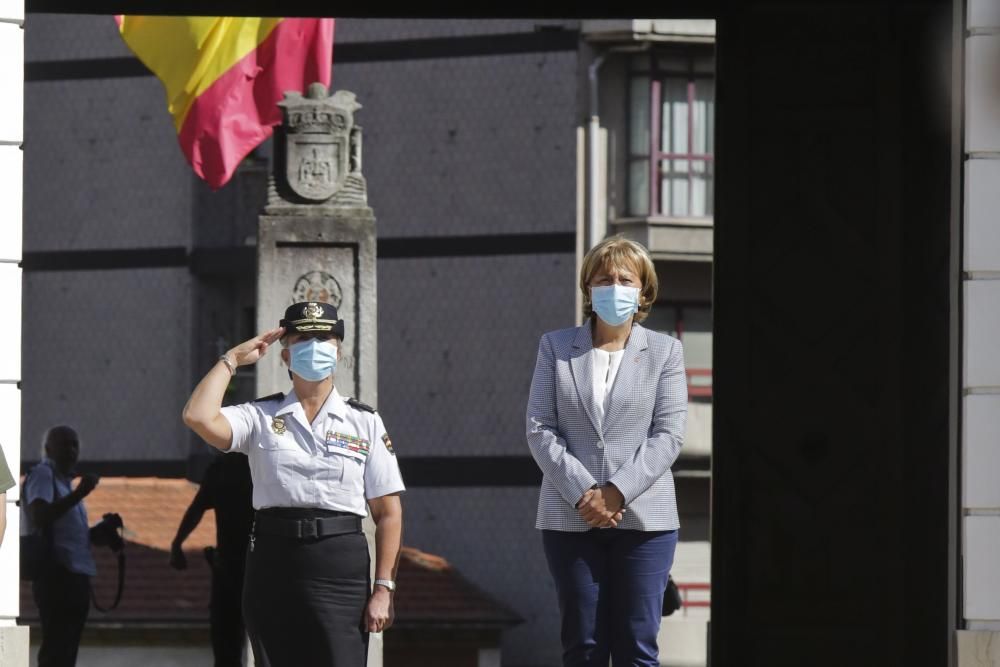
[(678, 307), (655, 157)]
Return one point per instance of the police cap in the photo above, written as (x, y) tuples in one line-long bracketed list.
[(312, 317)]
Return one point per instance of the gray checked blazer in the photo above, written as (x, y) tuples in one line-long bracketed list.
[(634, 447)]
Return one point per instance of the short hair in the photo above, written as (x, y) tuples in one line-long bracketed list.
[(620, 253)]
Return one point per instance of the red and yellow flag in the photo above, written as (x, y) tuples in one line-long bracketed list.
[(225, 75)]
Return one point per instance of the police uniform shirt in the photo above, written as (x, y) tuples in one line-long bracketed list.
[(343, 458)]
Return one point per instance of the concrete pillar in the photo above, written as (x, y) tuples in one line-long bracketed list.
[(13, 639), (316, 241), (981, 330)]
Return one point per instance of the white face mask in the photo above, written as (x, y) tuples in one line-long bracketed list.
[(614, 303), (313, 359)]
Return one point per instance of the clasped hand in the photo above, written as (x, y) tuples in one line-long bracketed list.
[(602, 507)]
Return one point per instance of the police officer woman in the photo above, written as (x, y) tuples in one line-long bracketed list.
[(315, 458)]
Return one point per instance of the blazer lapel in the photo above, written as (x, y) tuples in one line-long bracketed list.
[(582, 364), (635, 352)]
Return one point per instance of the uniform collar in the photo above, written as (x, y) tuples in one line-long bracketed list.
[(334, 405)]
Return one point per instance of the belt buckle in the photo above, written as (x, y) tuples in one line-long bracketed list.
[(307, 527)]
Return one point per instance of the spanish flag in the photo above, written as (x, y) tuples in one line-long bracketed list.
[(224, 76)]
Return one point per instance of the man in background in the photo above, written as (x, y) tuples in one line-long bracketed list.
[(226, 488), (62, 587)]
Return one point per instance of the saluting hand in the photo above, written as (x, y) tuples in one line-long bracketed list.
[(249, 352)]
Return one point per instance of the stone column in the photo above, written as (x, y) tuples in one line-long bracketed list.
[(316, 241), (13, 638)]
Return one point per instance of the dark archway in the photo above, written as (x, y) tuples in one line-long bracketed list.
[(831, 482)]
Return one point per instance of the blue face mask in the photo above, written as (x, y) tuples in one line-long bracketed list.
[(614, 303), (313, 360)]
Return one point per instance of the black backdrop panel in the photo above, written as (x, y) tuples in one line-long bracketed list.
[(830, 472)]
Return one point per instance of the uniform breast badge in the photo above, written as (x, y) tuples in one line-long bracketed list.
[(278, 425), (351, 443), (388, 443)]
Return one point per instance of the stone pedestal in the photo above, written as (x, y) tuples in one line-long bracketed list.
[(316, 241), (14, 646), (327, 258)]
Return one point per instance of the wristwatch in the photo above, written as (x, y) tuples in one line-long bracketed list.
[(388, 583), (225, 359)]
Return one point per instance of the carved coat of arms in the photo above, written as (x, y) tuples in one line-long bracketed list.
[(323, 146)]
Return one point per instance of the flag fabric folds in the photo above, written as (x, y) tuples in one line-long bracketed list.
[(224, 76)]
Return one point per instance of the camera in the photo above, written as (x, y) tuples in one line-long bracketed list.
[(108, 532)]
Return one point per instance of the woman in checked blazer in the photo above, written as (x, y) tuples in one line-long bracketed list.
[(605, 422)]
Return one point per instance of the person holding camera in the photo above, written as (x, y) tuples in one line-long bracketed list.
[(62, 585), (319, 462)]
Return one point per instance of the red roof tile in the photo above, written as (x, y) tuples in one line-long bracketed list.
[(431, 591)]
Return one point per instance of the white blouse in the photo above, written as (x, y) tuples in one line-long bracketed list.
[(605, 369)]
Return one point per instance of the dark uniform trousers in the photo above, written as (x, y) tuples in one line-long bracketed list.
[(63, 601), (226, 612), (304, 599)]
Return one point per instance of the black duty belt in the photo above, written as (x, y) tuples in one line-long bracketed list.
[(307, 527)]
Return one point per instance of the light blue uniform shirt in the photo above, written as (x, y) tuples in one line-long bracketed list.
[(71, 532)]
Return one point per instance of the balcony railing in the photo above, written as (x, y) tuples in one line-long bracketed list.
[(700, 390), (685, 591)]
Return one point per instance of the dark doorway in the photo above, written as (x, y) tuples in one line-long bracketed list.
[(830, 520)]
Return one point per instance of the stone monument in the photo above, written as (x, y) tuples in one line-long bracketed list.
[(316, 241), (316, 237)]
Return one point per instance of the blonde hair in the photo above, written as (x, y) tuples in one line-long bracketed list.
[(620, 253)]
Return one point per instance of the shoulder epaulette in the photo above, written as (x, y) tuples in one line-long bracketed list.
[(358, 405), (273, 397)]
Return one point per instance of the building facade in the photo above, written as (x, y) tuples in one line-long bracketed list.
[(474, 132), (496, 152)]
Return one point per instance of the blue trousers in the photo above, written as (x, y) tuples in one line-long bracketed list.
[(610, 585)]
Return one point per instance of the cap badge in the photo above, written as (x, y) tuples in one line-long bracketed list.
[(278, 425), (313, 311)]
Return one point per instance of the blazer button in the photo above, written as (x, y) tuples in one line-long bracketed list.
[(600, 444)]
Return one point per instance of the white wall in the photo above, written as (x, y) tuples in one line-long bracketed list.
[(13, 641), (980, 349)]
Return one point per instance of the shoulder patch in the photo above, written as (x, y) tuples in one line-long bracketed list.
[(358, 405), (273, 397)]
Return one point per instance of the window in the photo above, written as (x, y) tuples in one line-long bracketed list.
[(691, 323), (671, 129)]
